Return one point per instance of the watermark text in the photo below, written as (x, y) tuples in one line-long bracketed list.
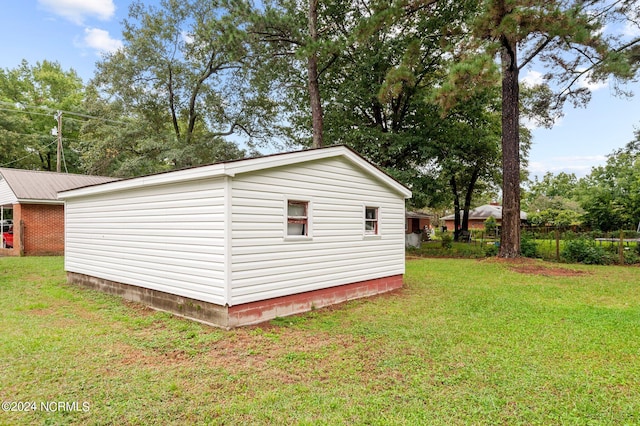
[(46, 406)]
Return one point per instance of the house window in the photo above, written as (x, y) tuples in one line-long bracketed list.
[(297, 218), (371, 224)]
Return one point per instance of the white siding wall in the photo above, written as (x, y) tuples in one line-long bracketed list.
[(265, 264), (168, 238), (6, 194)]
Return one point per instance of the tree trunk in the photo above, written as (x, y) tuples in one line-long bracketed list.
[(314, 85), (467, 198), (510, 234), (456, 209)]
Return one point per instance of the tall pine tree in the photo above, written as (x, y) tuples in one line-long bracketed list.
[(572, 41)]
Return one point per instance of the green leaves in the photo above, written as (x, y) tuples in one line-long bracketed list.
[(568, 38), (610, 195), (30, 95), (182, 84), (467, 79)]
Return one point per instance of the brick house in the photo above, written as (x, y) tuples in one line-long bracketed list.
[(31, 214), (416, 222), (479, 215)]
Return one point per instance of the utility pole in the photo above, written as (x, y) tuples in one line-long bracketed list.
[(58, 117)]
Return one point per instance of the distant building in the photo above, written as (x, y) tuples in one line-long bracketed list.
[(30, 200), (416, 222), (479, 215)]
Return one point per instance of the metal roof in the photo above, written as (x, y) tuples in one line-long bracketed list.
[(31, 185)]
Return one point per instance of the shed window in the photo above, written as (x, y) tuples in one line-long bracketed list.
[(371, 221), (297, 218)]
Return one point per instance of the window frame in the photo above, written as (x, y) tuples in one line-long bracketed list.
[(306, 219), (376, 232)]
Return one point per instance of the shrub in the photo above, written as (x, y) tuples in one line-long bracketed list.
[(490, 225), (447, 240), (631, 257), (585, 251), (528, 247), (491, 250)]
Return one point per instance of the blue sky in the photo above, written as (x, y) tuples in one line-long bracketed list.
[(76, 32)]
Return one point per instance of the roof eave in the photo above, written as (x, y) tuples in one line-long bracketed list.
[(39, 201), (211, 171), (237, 167)]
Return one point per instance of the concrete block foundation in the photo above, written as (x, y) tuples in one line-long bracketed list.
[(228, 317)]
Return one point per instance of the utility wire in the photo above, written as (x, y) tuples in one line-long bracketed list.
[(26, 156), (35, 135), (54, 110), (23, 112)]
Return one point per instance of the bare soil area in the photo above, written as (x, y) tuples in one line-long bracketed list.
[(529, 266)]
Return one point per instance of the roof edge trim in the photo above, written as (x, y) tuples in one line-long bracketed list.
[(232, 168)]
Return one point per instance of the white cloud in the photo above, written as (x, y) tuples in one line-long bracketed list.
[(631, 29), (580, 158), (579, 165), (592, 85), (187, 38), (533, 124), (532, 78), (530, 123), (77, 10), (101, 41)]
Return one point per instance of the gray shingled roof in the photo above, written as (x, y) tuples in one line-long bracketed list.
[(417, 215), (41, 186)]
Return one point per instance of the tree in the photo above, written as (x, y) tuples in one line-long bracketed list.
[(381, 84), (30, 96), (380, 88), (610, 195), (568, 38), (553, 200), (491, 225), (553, 185), (468, 153), (295, 44), (314, 76), (181, 85), (555, 217)]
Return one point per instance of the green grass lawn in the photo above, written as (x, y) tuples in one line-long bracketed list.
[(465, 342), (434, 249)]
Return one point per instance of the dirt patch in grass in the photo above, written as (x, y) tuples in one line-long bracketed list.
[(246, 347), (43, 312), (131, 355), (525, 265), (261, 348), (33, 278), (546, 272), (139, 308)]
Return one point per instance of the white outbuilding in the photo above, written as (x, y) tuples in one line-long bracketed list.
[(244, 241)]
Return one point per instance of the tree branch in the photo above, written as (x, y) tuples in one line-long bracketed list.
[(567, 89), (276, 37), (333, 59), (172, 106), (535, 53)]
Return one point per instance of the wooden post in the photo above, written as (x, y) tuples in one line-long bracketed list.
[(58, 117), (557, 245), (21, 241)]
